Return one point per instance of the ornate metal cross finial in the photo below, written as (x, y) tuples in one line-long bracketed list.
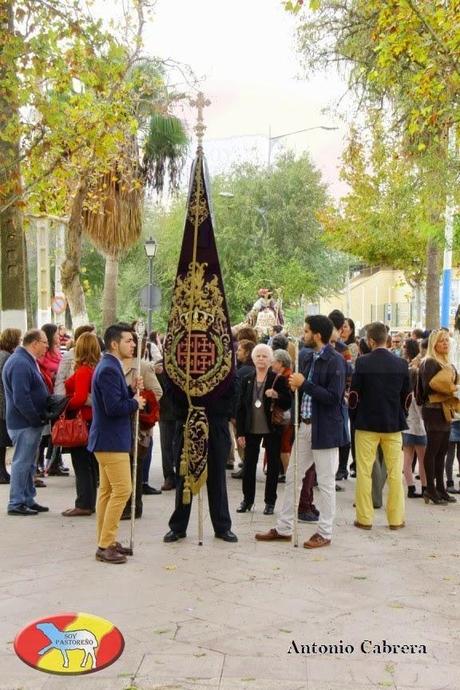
[(200, 103)]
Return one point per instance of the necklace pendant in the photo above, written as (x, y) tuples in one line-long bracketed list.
[(258, 404)]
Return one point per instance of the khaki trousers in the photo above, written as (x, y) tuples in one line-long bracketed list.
[(366, 447), (114, 491)]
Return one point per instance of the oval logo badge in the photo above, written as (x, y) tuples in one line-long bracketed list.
[(71, 643)]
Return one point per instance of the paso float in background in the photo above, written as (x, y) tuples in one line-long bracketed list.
[(70, 643)]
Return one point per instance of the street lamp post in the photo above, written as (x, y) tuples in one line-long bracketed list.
[(150, 247), (288, 134)]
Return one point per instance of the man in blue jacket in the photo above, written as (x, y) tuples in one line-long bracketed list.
[(26, 396), (321, 431), (110, 439)]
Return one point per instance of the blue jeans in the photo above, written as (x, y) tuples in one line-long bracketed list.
[(22, 489)]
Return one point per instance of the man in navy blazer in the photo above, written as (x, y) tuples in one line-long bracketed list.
[(380, 393), (110, 439), (321, 431), (26, 396)]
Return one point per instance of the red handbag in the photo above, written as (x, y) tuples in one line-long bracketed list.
[(70, 433)]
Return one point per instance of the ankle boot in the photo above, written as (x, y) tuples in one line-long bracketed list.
[(411, 493)]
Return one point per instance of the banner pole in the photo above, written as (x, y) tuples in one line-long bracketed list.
[(296, 449), (140, 329)]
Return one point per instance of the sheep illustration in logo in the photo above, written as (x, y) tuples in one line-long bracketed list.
[(67, 641)]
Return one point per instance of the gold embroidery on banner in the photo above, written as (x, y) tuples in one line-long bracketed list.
[(198, 208), (209, 347), (194, 455)]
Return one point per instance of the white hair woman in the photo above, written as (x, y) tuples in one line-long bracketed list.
[(437, 391), (259, 391)]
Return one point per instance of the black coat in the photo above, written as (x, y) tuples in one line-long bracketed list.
[(245, 402), (380, 392)]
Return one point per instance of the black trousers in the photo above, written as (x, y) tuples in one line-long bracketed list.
[(453, 446), (167, 436), (435, 453), (219, 445), (251, 456), (85, 467)]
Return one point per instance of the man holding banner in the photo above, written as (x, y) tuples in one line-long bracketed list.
[(199, 363)]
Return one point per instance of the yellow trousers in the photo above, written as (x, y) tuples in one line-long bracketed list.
[(114, 491), (366, 443)]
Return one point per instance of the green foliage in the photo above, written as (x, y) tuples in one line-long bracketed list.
[(267, 233), (395, 204), (404, 51)]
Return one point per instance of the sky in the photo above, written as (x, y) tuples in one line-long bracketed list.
[(244, 52)]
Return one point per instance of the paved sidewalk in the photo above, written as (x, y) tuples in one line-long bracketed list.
[(223, 616)]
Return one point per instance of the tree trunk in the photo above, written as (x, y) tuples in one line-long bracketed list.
[(70, 269), (432, 285), (109, 298), (13, 287)]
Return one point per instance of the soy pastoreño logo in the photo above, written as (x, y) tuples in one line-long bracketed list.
[(71, 643)]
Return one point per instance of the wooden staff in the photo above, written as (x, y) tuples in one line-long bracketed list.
[(296, 448), (140, 330), (200, 519)]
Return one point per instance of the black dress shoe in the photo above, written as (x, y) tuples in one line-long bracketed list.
[(22, 510), (239, 474), (39, 508), (174, 536), (150, 490), (58, 472), (227, 536), (244, 507), (4, 479), (269, 509)]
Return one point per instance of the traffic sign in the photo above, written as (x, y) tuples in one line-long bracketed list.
[(58, 304), (155, 300)]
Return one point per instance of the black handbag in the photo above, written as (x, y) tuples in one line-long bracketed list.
[(55, 406)]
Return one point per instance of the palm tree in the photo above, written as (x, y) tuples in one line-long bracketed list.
[(113, 217)]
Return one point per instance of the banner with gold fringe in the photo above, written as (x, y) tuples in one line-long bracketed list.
[(198, 348)]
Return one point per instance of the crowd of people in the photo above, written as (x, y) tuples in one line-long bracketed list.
[(390, 403)]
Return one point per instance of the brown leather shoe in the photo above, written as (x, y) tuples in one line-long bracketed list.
[(76, 512), (124, 550), (110, 555), (403, 524), (316, 541), (168, 485), (272, 535), (361, 526), (39, 484)]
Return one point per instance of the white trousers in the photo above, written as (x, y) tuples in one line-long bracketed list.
[(326, 462)]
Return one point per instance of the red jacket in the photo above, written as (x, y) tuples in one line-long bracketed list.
[(49, 363), (79, 387)]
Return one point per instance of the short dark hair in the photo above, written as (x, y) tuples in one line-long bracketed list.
[(247, 333), (10, 339), (277, 328), (321, 324), (418, 332), (114, 333), (377, 331), (32, 336), (364, 348), (412, 348), (337, 318), (279, 342), (87, 328)]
